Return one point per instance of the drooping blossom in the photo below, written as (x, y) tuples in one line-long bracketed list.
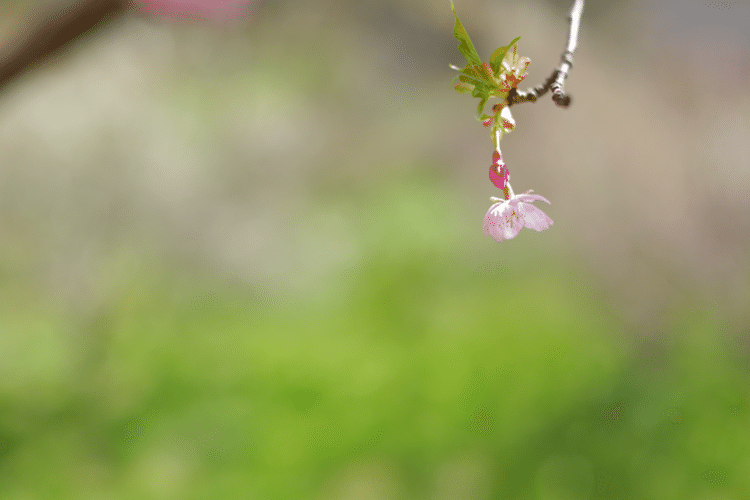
[(505, 219)]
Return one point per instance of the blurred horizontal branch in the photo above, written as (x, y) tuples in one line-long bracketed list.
[(66, 22), (53, 30)]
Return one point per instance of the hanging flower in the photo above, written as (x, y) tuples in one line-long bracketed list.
[(505, 219)]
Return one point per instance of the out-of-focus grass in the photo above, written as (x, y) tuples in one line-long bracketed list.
[(423, 370)]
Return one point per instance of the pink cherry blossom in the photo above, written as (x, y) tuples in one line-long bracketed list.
[(195, 9), (505, 219)]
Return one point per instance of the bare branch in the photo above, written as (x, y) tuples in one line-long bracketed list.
[(556, 81)]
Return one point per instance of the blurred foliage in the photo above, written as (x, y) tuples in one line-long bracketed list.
[(420, 373)]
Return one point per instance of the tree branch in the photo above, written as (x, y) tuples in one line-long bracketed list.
[(556, 81), (53, 31)]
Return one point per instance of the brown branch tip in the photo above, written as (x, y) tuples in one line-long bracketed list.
[(556, 81)]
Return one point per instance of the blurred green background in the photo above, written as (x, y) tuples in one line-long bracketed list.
[(247, 261)]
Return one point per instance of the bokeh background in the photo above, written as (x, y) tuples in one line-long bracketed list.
[(244, 259)]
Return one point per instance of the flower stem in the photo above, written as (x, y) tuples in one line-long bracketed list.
[(508, 191)]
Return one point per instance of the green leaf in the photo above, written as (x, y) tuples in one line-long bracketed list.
[(471, 80), (465, 47), (463, 88), (480, 109), (477, 76), (496, 59), (480, 79), (466, 84)]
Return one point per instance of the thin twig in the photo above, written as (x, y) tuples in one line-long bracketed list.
[(556, 81)]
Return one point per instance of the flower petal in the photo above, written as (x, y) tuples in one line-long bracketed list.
[(530, 198), (493, 217), (503, 221), (511, 225), (533, 217), (507, 119)]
